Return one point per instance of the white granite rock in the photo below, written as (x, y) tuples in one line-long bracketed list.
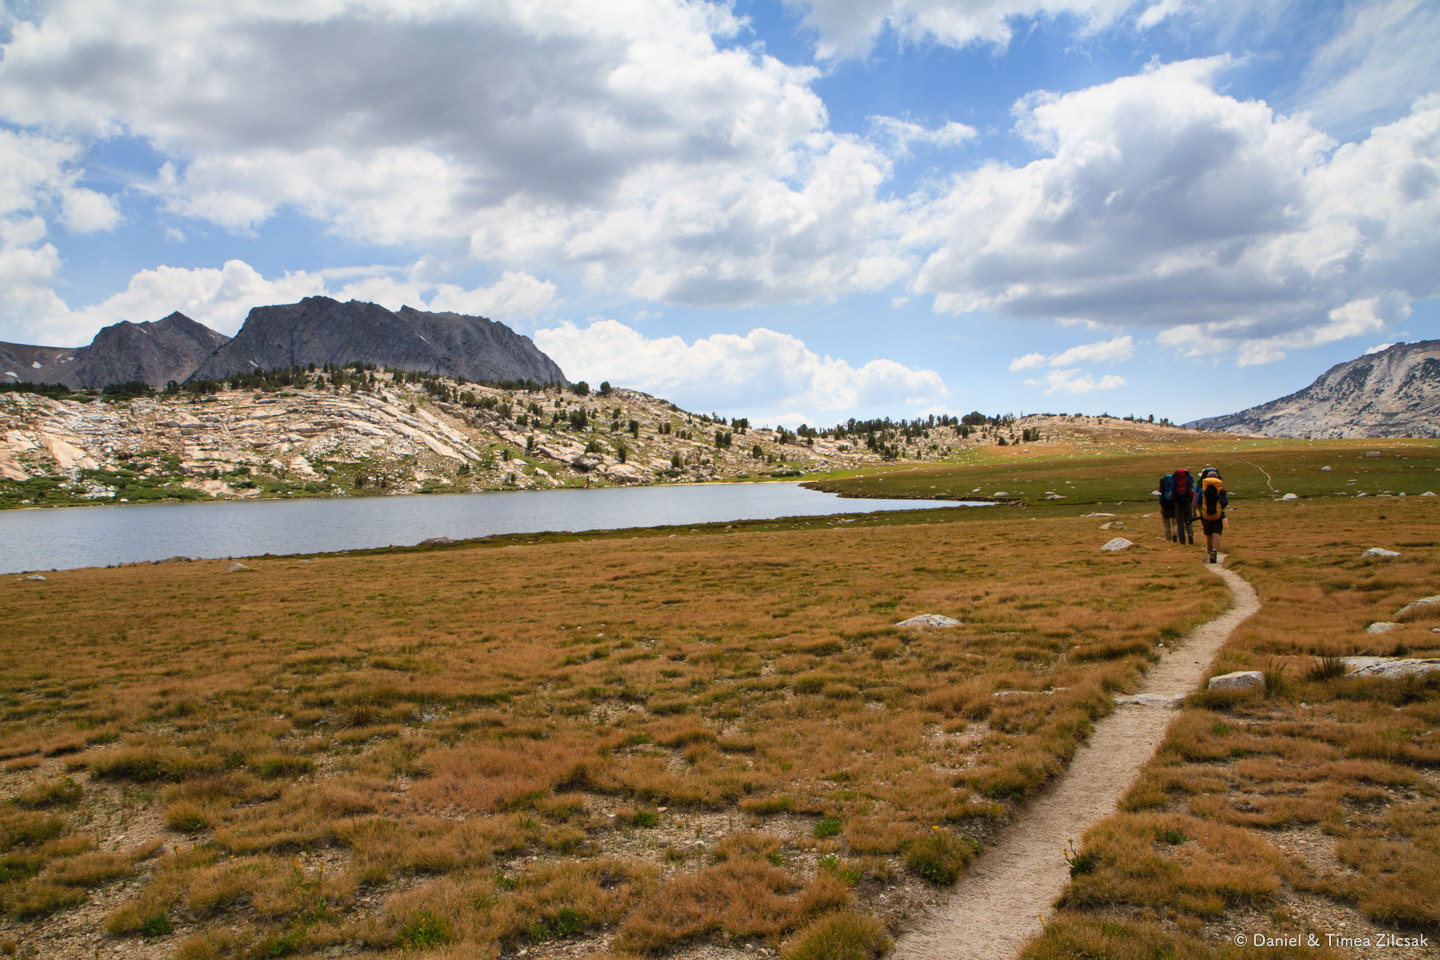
[(1151, 700), (1379, 553), (930, 621), (1417, 608), (1116, 545), (1390, 668), (1239, 680)]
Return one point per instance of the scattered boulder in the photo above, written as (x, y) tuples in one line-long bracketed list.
[(237, 567), (930, 621), (33, 576), (1390, 668), (1324, 469), (1373, 453), (1384, 626), (1428, 493), (178, 558), (1379, 553), (622, 473), (1239, 680), (587, 462), (1151, 700), (435, 541), (1420, 608), (1289, 496), (1052, 495), (1116, 545)]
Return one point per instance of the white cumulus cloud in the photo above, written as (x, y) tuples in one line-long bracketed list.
[(849, 27), (1117, 350), (619, 139), (765, 374), (1161, 203), (1073, 381)]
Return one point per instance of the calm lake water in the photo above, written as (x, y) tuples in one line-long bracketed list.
[(65, 538)]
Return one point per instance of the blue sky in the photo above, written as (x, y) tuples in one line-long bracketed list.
[(792, 211)]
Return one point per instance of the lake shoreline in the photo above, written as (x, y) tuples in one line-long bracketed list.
[(52, 540)]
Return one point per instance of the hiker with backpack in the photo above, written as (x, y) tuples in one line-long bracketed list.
[(1183, 492), (1210, 502), (1167, 505)]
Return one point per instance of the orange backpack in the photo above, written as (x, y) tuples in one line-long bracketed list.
[(1211, 506)]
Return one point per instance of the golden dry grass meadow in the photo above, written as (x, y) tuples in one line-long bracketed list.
[(714, 741)]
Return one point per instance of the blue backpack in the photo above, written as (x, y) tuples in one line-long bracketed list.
[(1167, 489)]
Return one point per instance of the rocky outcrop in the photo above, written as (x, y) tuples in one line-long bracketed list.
[(1392, 393), (321, 331), (1389, 668)]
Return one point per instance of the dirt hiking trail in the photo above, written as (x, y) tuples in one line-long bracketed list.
[(996, 907)]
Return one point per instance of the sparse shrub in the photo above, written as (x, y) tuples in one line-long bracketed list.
[(31, 900), (1081, 861), (1325, 668), (846, 873), (939, 857), (186, 818), (425, 930), (284, 766), (139, 765), (64, 792), (828, 827), (1170, 836), (842, 935), (1275, 684)]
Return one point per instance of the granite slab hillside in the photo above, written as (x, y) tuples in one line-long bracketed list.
[(1392, 393)]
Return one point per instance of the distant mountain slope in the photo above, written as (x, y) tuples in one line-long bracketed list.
[(153, 353), (1393, 393), (320, 330), (22, 363)]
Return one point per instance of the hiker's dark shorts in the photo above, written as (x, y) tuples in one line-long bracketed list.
[(1216, 527), (1167, 509)]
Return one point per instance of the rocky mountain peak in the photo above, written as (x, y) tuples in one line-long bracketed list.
[(1394, 392), (321, 330)]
